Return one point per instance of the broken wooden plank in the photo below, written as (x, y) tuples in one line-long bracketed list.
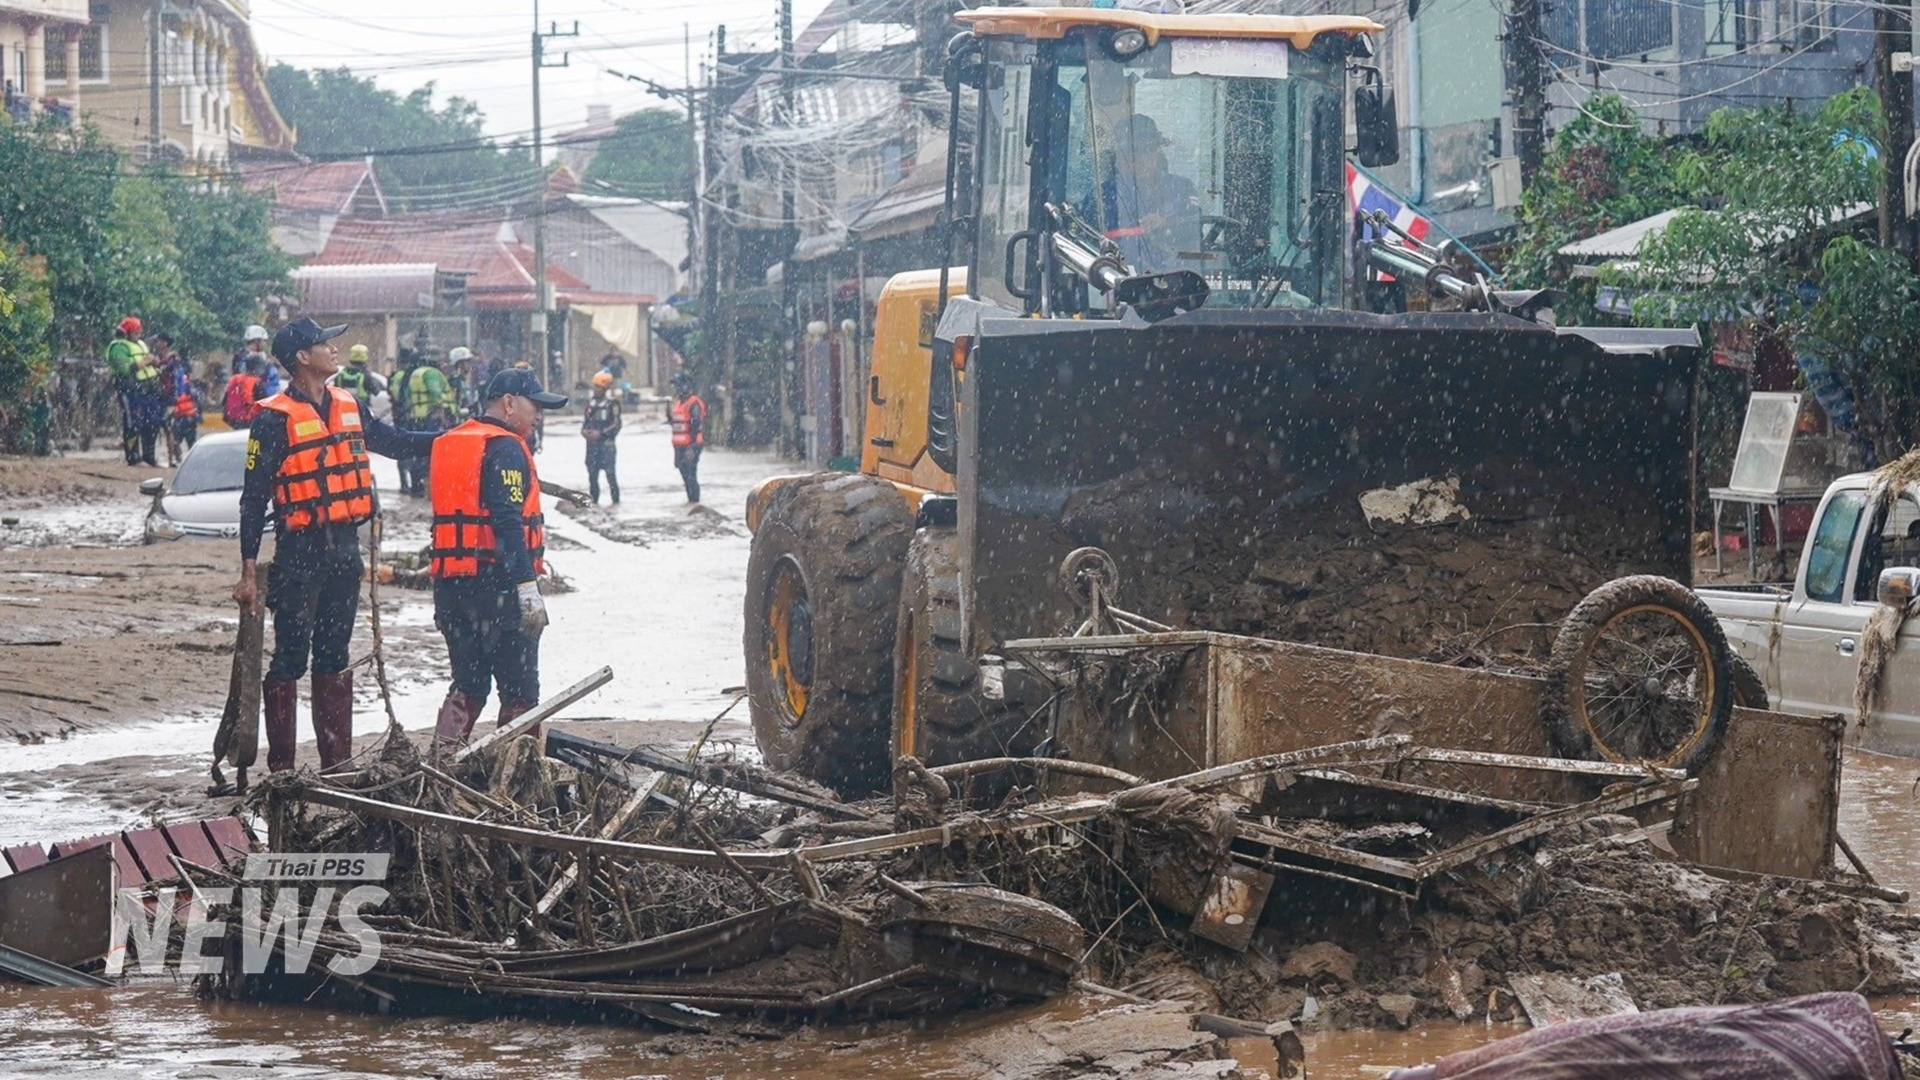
[(611, 830), (714, 775), (1439, 794), (1388, 746), (1611, 769), (539, 713), (1267, 836)]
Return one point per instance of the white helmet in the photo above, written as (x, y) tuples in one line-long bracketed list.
[(256, 333), (459, 353)]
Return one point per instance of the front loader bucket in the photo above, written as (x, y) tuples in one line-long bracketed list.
[(1224, 459)]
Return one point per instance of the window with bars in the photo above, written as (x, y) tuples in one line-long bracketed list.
[(1737, 26), (93, 48), (1611, 29)]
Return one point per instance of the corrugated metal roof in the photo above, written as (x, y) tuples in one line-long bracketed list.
[(1625, 241), (367, 289), (498, 267)]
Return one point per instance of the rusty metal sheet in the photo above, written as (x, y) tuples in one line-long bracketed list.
[(150, 849), (64, 911), (1769, 800), (229, 837), (24, 857), (189, 841), (1235, 898)]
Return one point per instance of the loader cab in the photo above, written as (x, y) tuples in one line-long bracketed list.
[(1211, 144)]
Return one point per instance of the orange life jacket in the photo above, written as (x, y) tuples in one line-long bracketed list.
[(683, 433), (463, 538), (325, 478)]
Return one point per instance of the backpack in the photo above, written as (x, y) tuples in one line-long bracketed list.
[(238, 405)]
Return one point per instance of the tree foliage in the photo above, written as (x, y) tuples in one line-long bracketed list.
[(26, 316), (650, 153), (1775, 249), (1602, 171), (432, 153)]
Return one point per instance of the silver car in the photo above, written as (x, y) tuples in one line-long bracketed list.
[(204, 499)]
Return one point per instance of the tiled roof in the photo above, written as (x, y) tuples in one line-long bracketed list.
[(498, 266), (325, 188)]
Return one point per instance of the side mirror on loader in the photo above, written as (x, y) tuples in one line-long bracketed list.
[(1375, 125)]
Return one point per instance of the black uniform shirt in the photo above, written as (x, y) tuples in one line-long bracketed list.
[(267, 448), (506, 477)]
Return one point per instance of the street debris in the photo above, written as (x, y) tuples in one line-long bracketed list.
[(1323, 886)]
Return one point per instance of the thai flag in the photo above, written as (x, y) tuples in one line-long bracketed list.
[(1367, 196)]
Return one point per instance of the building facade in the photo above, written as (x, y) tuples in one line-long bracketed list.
[(213, 102), (29, 31)]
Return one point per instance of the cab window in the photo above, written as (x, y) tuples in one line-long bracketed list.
[(1831, 544), (1893, 541)]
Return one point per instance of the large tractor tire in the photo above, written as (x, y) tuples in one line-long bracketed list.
[(823, 587), (939, 713), (1640, 671)]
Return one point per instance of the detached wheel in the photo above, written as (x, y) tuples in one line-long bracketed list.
[(939, 714), (1640, 671), (823, 586)]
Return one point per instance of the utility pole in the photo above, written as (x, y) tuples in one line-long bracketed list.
[(789, 237), (1893, 36), (1527, 82), (153, 81), (717, 336), (542, 323)]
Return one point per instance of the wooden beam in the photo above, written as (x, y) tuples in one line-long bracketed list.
[(1613, 769), (543, 711), (1540, 825), (607, 832)]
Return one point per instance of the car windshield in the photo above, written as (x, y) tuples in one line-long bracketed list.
[(1217, 156), (213, 466)]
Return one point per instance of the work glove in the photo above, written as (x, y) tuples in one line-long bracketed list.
[(533, 610)]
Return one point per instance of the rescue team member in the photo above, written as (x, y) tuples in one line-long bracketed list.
[(601, 424), (176, 394), (137, 380), (253, 358), (689, 433), (429, 408), (489, 543), (308, 455), (240, 401), (355, 379)]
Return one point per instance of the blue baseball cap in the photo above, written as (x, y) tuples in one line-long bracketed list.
[(302, 334), (521, 383)]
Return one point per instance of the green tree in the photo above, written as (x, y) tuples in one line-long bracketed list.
[(432, 154), (26, 318), (650, 153), (57, 202), (1775, 250), (225, 244), (1601, 172)]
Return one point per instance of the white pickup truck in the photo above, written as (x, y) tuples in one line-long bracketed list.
[(1804, 639)]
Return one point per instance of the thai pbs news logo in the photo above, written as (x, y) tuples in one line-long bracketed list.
[(283, 906)]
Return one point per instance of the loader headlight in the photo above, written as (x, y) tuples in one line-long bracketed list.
[(1126, 43)]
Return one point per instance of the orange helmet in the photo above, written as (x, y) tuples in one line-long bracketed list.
[(603, 380), (130, 326)]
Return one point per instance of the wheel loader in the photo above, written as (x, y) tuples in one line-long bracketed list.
[(1161, 330)]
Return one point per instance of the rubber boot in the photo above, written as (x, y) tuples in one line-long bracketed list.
[(333, 717), (457, 714), (510, 710), (280, 701)]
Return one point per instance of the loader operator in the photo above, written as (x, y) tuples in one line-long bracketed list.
[(307, 454), (488, 550)]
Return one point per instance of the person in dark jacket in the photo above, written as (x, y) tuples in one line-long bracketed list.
[(489, 543), (307, 457), (600, 427)]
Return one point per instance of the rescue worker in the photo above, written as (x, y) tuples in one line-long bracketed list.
[(689, 433), (599, 427), (430, 407), (412, 482), (240, 401), (307, 455), (136, 380), (489, 542), (253, 359), (355, 379), (176, 395)]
